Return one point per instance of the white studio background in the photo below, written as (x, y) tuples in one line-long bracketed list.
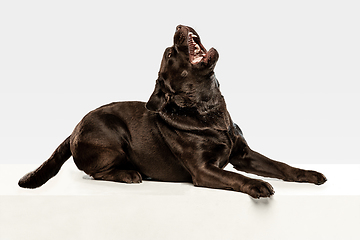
[(289, 70)]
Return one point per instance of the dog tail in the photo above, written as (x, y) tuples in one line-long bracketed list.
[(49, 168)]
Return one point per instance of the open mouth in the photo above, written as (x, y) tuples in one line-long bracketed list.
[(197, 51)]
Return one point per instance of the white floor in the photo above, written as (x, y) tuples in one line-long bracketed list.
[(72, 206)]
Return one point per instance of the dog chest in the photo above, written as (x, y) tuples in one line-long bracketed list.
[(199, 147)]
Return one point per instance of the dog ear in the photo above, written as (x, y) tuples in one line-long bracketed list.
[(157, 100)]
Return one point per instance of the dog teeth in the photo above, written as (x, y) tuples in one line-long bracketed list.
[(197, 49), (192, 35)]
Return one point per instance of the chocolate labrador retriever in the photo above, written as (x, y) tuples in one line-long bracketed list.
[(184, 133)]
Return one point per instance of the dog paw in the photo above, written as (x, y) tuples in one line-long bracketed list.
[(131, 177), (124, 176), (311, 177), (259, 189)]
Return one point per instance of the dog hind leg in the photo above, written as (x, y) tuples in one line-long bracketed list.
[(106, 164), (119, 175)]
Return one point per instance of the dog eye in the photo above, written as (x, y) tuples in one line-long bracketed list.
[(170, 53)]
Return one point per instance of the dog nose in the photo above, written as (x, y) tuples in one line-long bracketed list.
[(178, 27)]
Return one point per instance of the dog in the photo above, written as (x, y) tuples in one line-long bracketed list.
[(184, 133)]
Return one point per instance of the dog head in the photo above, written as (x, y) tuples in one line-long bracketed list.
[(186, 77)]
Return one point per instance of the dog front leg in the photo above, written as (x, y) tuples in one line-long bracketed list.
[(213, 177), (252, 162)]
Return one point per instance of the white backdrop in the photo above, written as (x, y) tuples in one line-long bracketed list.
[(289, 70)]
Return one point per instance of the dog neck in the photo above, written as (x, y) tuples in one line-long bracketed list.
[(209, 114)]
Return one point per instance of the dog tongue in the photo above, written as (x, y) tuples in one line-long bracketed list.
[(198, 58)]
